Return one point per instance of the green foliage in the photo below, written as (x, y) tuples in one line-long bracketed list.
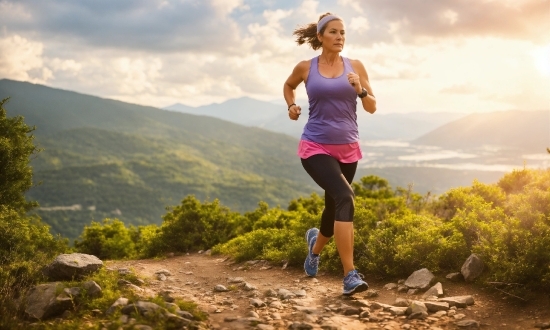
[(26, 244), (515, 181), (372, 187), (109, 240), (268, 244), (193, 225), (16, 147), (398, 232), (250, 218)]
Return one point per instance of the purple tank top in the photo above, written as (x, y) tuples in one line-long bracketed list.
[(332, 107)]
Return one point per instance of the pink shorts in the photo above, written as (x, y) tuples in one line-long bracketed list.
[(344, 153)]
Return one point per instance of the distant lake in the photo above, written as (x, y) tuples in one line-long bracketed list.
[(395, 153)]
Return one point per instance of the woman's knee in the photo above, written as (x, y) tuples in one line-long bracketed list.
[(345, 206)]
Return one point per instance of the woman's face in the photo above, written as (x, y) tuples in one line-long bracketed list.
[(333, 37)]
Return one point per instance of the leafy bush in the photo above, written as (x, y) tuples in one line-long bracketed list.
[(16, 147), (269, 244), (26, 245), (194, 226), (109, 240), (400, 245)]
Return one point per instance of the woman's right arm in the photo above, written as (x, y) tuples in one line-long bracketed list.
[(298, 75)]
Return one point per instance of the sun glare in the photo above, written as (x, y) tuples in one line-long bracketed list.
[(542, 60)]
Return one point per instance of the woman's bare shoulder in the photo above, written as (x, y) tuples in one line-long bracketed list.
[(303, 66), (357, 65), (355, 62)]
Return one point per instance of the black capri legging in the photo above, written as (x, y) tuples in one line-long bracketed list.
[(335, 178)]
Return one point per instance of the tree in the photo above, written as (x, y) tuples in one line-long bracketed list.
[(26, 244), (16, 148)]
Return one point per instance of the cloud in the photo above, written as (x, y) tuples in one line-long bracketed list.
[(145, 25), (21, 59), (447, 18), (359, 24), (353, 4), (420, 55)]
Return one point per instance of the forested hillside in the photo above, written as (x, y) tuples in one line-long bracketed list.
[(115, 159)]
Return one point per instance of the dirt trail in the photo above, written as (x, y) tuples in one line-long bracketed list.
[(195, 276)]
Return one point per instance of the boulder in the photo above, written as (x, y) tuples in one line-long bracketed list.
[(284, 294), (176, 322), (436, 306), (249, 287), (468, 324), (144, 308), (44, 301), (434, 291), (371, 293), (92, 289), (416, 307), (74, 292), (458, 301), (420, 279), (472, 268), (257, 303), (119, 303), (455, 277), (398, 311), (185, 315), (220, 288), (68, 267), (401, 302)]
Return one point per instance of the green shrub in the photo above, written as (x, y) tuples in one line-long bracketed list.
[(400, 245), (108, 240), (514, 182), (146, 239), (267, 244), (312, 205), (194, 226), (518, 251), (250, 218), (26, 245), (373, 187)]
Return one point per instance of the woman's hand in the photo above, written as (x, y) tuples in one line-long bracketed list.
[(294, 112), (355, 82)]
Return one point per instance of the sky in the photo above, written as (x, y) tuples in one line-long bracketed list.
[(421, 55)]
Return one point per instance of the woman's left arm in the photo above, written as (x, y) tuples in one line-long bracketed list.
[(369, 102)]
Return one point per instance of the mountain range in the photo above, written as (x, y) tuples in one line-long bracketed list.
[(274, 117), (528, 131)]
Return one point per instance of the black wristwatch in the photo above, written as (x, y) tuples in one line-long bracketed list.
[(363, 93)]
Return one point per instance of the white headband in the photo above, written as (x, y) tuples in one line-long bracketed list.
[(325, 20)]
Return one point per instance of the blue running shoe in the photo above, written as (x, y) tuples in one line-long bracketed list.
[(311, 265), (353, 283)]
